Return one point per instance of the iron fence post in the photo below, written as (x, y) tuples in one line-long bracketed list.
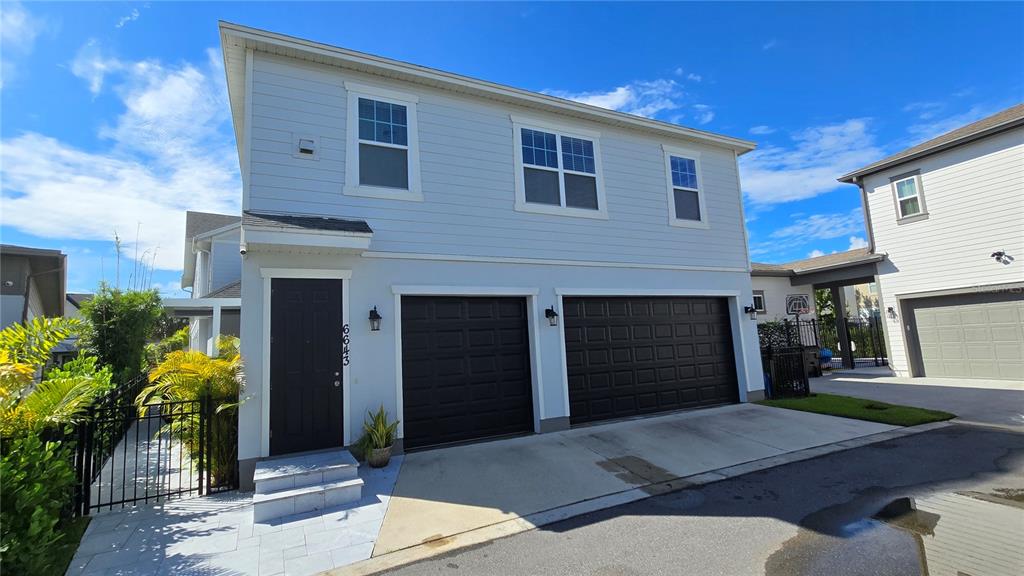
[(208, 415), (201, 464)]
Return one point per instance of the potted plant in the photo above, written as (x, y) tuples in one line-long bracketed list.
[(378, 438)]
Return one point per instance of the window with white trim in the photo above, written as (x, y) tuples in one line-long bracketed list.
[(382, 159), (909, 201), (759, 301), (558, 172), (685, 196)]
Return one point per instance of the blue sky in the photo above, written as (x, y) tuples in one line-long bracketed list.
[(113, 116)]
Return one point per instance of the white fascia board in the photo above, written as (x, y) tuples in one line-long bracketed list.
[(317, 239), (193, 303)]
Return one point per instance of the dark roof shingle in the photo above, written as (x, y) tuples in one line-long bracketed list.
[(848, 258), (1006, 118), (232, 290), (197, 223), (305, 222)]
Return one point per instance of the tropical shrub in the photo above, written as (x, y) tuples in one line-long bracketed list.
[(38, 479), (378, 431), (155, 353), (188, 375), (120, 325)]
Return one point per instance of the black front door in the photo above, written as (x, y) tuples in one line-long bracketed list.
[(305, 365)]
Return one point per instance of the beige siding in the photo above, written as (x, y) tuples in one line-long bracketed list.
[(974, 196), (776, 289), (467, 170)]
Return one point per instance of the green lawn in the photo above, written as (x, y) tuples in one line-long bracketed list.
[(861, 409), (73, 530)]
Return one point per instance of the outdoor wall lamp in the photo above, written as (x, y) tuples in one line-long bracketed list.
[(551, 315), (891, 312), (375, 319), (751, 310)]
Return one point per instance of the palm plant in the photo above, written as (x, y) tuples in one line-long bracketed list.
[(190, 376)]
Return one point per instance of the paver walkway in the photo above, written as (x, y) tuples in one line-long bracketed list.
[(216, 535)]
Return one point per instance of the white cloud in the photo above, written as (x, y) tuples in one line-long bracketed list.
[(679, 71), (703, 113), (694, 77), (815, 253), (762, 129), (857, 242), (92, 65), (170, 150), (810, 166), (822, 226), (924, 110), (770, 44), (131, 17), (643, 97), (18, 32), (931, 127)]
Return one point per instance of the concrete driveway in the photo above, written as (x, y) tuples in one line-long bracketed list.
[(441, 493), (998, 402)]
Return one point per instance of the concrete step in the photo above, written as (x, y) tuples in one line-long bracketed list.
[(272, 505), (290, 472)]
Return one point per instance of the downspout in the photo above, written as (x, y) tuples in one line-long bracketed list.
[(28, 290), (867, 212)]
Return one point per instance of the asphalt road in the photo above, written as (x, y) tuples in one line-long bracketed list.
[(811, 517)]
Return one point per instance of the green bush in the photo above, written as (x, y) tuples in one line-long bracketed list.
[(38, 481), (155, 353), (120, 325)]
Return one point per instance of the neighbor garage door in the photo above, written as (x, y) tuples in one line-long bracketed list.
[(465, 369), (628, 356), (967, 336)]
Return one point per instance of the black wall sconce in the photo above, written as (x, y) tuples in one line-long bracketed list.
[(551, 315), (751, 311), (890, 312), (375, 319)]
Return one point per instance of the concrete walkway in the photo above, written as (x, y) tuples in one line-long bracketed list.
[(998, 402), (449, 491)]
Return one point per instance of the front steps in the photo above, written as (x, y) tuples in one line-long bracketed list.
[(303, 483)]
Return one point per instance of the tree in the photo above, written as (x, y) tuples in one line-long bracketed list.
[(120, 325), (823, 304)]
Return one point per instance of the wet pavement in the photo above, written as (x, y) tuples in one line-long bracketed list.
[(941, 502)]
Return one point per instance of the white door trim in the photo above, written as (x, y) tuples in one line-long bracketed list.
[(533, 325), (269, 274)]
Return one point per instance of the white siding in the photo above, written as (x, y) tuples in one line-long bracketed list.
[(467, 168), (974, 195), (225, 261), (776, 289)]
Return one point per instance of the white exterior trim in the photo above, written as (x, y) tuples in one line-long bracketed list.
[(542, 261), (644, 292), (694, 155), (533, 328), (521, 205), (246, 149), (352, 185), (269, 274)]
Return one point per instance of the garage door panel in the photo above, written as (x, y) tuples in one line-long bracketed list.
[(977, 335), (465, 369), (677, 359)]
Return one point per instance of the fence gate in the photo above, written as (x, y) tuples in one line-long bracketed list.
[(126, 456)]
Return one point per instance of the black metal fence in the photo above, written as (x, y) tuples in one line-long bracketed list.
[(785, 372), (865, 339), (127, 456)]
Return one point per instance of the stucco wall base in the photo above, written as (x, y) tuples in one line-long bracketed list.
[(755, 395), (246, 471), (554, 424)]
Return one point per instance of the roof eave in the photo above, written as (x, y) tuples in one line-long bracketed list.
[(453, 81), (859, 261), (852, 177)]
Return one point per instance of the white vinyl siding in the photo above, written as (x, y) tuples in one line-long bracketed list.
[(467, 169), (974, 207)]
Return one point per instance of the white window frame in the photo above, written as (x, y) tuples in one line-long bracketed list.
[(764, 305), (694, 155), (521, 205), (352, 185), (922, 213)]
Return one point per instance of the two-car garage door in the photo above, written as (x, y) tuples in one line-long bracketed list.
[(466, 362), (967, 335)]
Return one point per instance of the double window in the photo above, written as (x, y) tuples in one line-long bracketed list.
[(908, 196), (382, 159), (685, 193), (558, 172)]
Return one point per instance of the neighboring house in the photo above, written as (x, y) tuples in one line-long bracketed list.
[(75, 301), (212, 273), (949, 214), (781, 289), (480, 260), (33, 283)]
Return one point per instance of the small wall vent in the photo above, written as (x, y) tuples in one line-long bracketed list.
[(306, 147)]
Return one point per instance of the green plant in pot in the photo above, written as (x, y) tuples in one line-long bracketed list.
[(378, 438)]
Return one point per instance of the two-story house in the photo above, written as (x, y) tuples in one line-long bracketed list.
[(480, 260), (949, 216)]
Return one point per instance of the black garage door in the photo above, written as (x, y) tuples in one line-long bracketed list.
[(628, 356), (465, 369)]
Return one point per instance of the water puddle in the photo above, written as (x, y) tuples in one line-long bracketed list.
[(949, 533)]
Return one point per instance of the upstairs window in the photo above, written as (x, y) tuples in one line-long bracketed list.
[(557, 172), (685, 196), (382, 159), (909, 200)]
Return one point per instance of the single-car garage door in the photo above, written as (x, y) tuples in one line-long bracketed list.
[(465, 369), (628, 356), (967, 336)]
